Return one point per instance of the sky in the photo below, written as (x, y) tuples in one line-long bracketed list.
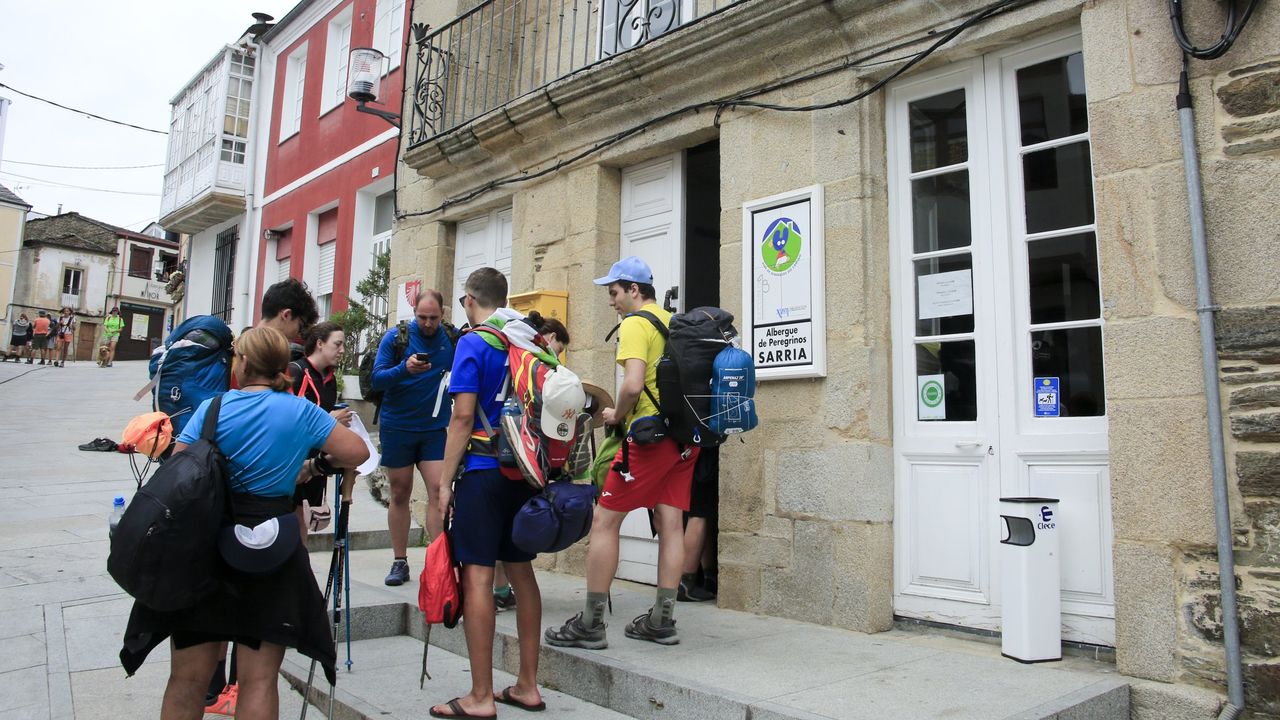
[(123, 60)]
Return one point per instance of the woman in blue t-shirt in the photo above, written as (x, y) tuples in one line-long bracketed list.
[(265, 433)]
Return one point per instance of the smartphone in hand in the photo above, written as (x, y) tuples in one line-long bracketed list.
[(422, 358)]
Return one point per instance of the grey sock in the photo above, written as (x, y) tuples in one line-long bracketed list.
[(664, 607), (593, 613)]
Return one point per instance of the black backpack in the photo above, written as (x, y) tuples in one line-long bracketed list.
[(694, 339), (164, 551)]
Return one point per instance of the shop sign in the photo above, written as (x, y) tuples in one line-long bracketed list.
[(783, 285)]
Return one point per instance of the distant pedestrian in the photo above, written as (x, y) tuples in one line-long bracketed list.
[(111, 329), (414, 417), (264, 433), (646, 474), (40, 330), (66, 330), (20, 340)]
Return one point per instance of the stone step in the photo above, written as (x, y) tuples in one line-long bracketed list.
[(741, 666), (383, 684), (321, 542)]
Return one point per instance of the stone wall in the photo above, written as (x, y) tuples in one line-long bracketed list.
[(1249, 350), (1168, 622)]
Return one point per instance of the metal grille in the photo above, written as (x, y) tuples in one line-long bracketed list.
[(504, 49), (224, 267)]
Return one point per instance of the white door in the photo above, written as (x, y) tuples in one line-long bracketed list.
[(997, 332), (483, 241), (653, 229)]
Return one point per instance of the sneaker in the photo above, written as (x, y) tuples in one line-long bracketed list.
[(226, 702), (399, 574), (574, 634), (504, 600), (692, 592), (524, 445), (642, 629)]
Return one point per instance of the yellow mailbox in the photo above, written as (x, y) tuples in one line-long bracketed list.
[(548, 303)]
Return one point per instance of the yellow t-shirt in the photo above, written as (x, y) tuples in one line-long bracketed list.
[(639, 339)]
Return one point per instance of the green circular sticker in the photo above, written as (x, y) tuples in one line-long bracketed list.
[(782, 245), (931, 394)]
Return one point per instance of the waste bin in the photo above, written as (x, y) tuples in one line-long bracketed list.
[(1030, 580)]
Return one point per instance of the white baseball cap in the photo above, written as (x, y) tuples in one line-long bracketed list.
[(562, 401)]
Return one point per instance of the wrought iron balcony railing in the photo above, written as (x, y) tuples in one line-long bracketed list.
[(504, 49)]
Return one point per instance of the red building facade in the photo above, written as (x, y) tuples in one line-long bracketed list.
[(326, 169)]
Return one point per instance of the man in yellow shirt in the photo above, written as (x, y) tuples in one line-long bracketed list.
[(653, 475)]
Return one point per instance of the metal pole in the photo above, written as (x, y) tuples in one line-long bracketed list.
[(1205, 309)]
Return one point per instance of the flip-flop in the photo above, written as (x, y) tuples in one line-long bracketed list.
[(506, 698), (458, 712)]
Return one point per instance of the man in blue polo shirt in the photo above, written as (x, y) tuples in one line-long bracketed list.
[(485, 504), (415, 413)]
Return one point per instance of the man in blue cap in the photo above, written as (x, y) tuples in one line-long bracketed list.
[(653, 475)]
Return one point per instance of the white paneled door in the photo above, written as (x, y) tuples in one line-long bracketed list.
[(483, 241), (997, 332), (653, 229)]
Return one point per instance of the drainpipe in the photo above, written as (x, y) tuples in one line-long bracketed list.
[(1205, 309)]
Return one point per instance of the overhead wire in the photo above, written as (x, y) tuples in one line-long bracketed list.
[(85, 167), (742, 100), (95, 116), (55, 183)]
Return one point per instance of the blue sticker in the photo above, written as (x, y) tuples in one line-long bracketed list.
[(1047, 399)]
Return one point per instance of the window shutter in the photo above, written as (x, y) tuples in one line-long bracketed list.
[(282, 270), (324, 284)]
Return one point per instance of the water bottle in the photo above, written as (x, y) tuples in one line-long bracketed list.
[(117, 512)]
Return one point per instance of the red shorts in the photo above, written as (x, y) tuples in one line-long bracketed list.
[(659, 476)]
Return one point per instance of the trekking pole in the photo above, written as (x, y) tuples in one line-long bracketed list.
[(328, 588), (346, 483)]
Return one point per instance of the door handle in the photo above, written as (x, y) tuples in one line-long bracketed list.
[(968, 444)]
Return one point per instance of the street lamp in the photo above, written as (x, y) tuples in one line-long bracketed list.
[(364, 80)]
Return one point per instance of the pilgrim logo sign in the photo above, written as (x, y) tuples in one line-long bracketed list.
[(783, 284)]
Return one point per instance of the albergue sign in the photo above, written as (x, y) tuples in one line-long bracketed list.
[(783, 284)]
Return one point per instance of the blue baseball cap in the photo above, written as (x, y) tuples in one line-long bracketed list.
[(628, 269)]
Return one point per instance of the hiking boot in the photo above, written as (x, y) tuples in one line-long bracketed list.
[(504, 600), (226, 702), (399, 574), (692, 592), (575, 634), (642, 629)]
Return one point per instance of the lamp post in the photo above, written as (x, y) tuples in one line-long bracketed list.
[(364, 80)]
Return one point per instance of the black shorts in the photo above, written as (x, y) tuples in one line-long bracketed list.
[(485, 503), (704, 497)]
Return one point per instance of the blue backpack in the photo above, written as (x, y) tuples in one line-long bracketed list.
[(733, 388), (193, 365)]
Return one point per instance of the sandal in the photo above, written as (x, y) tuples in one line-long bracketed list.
[(456, 711), (506, 698)]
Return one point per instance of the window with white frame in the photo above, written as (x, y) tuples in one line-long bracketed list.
[(336, 53), (483, 241), (383, 220), (71, 286), (295, 78), (235, 122), (388, 31)]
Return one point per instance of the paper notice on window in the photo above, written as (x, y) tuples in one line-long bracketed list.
[(358, 428), (138, 330), (945, 294)]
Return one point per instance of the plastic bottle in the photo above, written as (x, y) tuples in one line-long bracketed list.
[(117, 512)]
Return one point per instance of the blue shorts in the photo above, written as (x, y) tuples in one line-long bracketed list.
[(402, 448), (484, 505)]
